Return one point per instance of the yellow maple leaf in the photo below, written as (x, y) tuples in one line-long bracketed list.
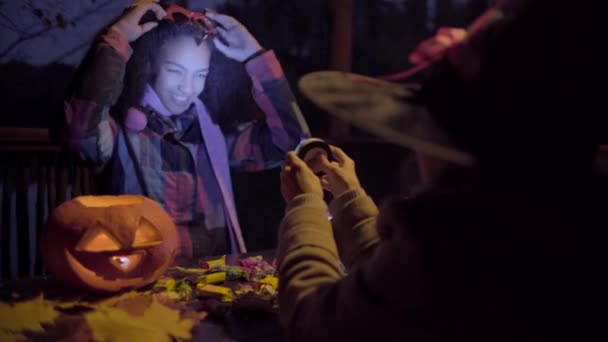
[(7, 336), (28, 315), (157, 324), (159, 315), (111, 301)]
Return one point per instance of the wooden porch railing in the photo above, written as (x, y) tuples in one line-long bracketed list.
[(35, 177)]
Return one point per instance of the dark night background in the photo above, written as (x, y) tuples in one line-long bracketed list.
[(43, 41)]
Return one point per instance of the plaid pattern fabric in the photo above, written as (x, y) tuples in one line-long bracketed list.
[(184, 160)]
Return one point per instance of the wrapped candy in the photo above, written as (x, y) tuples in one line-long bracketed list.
[(219, 292), (211, 278)]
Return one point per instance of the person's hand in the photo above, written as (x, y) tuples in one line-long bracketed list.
[(129, 25), (435, 47), (340, 174), (241, 44), (297, 178)]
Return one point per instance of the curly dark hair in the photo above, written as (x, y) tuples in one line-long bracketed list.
[(226, 92)]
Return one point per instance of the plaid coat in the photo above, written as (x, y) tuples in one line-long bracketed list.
[(184, 159)]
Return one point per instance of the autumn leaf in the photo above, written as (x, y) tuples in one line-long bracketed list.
[(161, 316), (26, 316), (111, 301), (8, 336), (157, 324), (112, 324)]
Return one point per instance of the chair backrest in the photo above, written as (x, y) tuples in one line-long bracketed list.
[(35, 177)]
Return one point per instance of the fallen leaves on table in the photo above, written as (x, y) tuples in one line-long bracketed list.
[(160, 314), (131, 316), (112, 300), (27, 316), (156, 323)]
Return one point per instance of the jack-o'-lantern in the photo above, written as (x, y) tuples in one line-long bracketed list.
[(108, 243)]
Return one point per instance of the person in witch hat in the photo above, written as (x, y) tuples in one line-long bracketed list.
[(504, 242)]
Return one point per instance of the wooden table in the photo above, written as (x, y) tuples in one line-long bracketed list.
[(232, 326)]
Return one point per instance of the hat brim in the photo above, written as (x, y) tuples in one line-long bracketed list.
[(388, 110)]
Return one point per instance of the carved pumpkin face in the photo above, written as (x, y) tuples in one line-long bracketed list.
[(109, 243)]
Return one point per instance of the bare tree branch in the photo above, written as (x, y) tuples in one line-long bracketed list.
[(5, 17), (32, 35), (8, 27), (11, 24)]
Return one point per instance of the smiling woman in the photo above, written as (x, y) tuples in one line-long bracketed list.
[(172, 61), (182, 73), (138, 113)]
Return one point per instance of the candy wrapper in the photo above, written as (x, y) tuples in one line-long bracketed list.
[(211, 278), (178, 289), (250, 286), (257, 267), (206, 264), (222, 293), (235, 273), (270, 280)]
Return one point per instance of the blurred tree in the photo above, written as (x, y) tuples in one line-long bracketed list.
[(42, 32)]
